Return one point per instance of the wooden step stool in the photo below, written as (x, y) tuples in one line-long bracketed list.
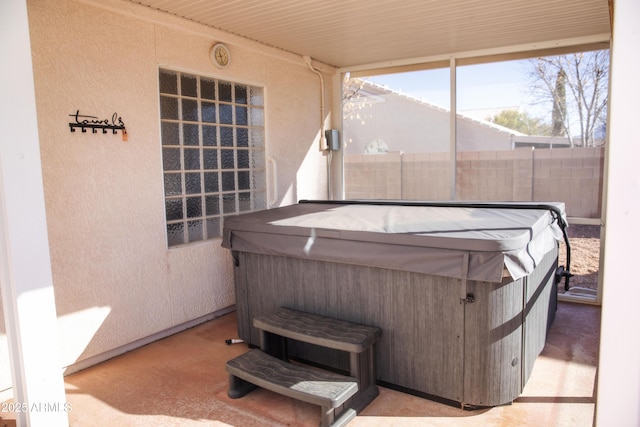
[(339, 396)]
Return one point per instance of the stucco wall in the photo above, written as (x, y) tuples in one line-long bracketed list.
[(115, 280)]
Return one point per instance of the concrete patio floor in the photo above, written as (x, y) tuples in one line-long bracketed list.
[(181, 381)]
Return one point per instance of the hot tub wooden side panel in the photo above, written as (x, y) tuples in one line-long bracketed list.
[(433, 343), (542, 302), (493, 343), (505, 331), (421, 316)]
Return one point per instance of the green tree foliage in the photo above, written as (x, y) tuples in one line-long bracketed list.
[(521, 121)]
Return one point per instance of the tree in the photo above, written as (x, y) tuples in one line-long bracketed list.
[(577, 86), (353, 99), (559, 112), (521, 121)]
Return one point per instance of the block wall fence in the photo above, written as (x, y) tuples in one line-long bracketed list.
[(570, 175)]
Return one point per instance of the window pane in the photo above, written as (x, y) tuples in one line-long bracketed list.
[(194, 207), (227, 159), (243, 159), (257, 116), (244, 180), (192, 181), (257, 97), (195, 230), (242, 137), (241, 94), (396, 143), (207, 88), (212, 205), (210, 158), (259, 180), (173, 209), (191, 134), (208, 112), (192, 159), (190, 110), (256, 137), (229, 203), (170, 133), (245, 201), (209, 136), (189, 85), (213, 228), (226, 136), (175, 234), (171, 159), (168, 108), (259, 199), (224, 92), (257, 159), (172, 184), (547, 143), (241, 116), (228, 181), (168, 82), (211, 182), (226, 114)]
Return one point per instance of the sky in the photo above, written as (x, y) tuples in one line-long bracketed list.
[(481, 89)]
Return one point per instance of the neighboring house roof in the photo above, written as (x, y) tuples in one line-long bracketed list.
[(393, 121), (374, 89)]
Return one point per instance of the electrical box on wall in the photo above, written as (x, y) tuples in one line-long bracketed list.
[(333, 139)]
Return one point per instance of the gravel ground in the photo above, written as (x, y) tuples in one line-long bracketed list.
[(585, 256)]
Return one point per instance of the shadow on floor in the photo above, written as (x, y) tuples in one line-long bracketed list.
[(181, 381)]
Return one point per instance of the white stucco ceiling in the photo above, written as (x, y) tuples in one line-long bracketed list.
[(349, 33)]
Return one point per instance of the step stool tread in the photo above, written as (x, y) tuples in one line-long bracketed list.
[(314, 386), (319, 330)]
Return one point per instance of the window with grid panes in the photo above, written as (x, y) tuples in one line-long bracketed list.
[(212, 153)]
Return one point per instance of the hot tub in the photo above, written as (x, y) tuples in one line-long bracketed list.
[(464, 293)]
